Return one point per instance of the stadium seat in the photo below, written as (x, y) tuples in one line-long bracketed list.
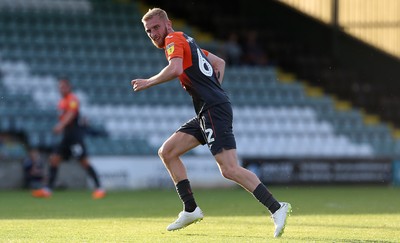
[(101, 46)]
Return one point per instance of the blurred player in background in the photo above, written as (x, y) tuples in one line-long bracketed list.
[(72, 143), (200, 73)]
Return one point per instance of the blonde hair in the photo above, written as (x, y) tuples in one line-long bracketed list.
[(155, 12)]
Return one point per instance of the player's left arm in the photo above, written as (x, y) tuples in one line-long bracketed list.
[(218, 65), (171, 71)]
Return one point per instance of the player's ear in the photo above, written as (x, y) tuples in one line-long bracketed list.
[(169, 24)]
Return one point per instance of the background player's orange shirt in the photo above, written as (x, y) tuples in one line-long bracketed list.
[(68, 103)]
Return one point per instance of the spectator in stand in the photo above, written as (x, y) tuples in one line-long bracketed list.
[(233, 50), (34, 169), (254, 53)]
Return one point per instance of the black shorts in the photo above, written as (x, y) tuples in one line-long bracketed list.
[(71, 147), (213, 127)]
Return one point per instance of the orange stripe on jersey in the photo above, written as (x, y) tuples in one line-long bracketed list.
[(205, 52)]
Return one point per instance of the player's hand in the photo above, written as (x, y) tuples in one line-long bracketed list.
[(57, 129), (139, 84)]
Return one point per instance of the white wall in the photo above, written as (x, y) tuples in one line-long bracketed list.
[(149, 172)]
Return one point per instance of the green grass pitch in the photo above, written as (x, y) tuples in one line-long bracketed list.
[(320, 214)]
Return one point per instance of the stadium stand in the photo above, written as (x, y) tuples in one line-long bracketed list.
[(101, 46)]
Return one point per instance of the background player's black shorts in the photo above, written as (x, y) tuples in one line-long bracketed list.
[(70, 147), (213, 127)]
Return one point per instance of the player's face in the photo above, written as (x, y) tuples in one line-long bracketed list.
[(64, 88), (156, 29)]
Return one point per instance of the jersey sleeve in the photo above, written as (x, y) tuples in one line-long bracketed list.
[(174, 46), (72, 104)]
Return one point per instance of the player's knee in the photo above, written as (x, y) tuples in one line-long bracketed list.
[(229, 172), (166, 154), (162, 153), (84, 163)]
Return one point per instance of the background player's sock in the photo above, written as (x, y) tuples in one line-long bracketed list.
[(92, 173), (265, 197), (53, 171), (185, 193)]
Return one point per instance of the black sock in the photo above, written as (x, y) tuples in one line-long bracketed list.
[(53, 171), (92, 173), (185, 193), (265, 197)]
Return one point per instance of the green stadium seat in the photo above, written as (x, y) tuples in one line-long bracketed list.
[(102, 50)]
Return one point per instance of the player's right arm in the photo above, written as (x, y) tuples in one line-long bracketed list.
[(171, 71), (69, 113), (67, 119)]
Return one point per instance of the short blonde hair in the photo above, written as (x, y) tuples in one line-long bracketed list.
[(155, 12)]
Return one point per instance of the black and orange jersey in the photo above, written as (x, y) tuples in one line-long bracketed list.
[(198, 77), (66, 104)]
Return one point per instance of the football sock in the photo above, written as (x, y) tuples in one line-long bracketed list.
[(93, 175), (53, 171), (265, 197), (185, 193)]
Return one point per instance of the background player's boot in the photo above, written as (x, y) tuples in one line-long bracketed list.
[(42, 193), (185, 219), (279, 218), (98, 193)]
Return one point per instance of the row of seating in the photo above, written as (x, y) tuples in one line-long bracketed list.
[(102, 50), (77, 6)]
